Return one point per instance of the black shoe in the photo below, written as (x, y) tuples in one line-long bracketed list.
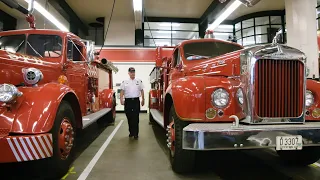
[(136, 137), (130, 135)]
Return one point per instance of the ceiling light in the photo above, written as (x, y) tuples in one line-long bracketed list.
[(48, 15), (224, 15), (137, 5)]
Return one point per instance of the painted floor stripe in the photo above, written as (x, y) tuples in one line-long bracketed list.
[(97, 156)]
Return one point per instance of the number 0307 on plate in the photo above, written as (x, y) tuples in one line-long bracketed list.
[(289, 143)]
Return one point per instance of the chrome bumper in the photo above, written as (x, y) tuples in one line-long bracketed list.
[(225, 136)]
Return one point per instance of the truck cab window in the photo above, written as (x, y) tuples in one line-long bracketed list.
[(40, 45), (205, 50), (176, 57), (74, 51), (13, 43)]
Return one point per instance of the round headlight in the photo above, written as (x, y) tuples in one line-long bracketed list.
[(8, 93), (309, 98), (220, 97), (240, 96), (32, 75)]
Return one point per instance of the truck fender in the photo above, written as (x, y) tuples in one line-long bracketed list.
[(106, 98), (188, 97), (38, 107)]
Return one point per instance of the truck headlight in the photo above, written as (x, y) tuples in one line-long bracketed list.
[(32, 75), (8, 93), (240, 96), (220, 97), (309, 98)]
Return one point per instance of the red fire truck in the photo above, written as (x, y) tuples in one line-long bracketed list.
[(52, 85), (216, 95)]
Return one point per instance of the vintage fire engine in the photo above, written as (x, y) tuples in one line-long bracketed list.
[(216, 95), (52, 85)]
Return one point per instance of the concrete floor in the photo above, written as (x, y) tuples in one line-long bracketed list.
[(147, 159)]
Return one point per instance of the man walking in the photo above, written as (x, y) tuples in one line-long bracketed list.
[(131, 90)]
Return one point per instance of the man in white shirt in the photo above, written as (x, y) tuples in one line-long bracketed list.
[(131, 90)]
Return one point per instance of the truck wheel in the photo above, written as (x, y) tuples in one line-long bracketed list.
[(304, 157), (63, 135), (182, 161)]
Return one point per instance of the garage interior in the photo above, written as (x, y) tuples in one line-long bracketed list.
[(129, 33)]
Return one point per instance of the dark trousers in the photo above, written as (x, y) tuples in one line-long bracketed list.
[(132, 110)]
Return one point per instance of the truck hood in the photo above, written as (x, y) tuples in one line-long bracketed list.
[(224, 65), (11, 65)]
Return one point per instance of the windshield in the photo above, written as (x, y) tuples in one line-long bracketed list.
[(205, 50), (46, 46), (13, 43)]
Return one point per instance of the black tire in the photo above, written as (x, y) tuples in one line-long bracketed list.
[(304, 157), (182, 161), (56, 166)]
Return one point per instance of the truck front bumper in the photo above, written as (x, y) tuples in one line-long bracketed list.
[(225, 136), (25, 147)]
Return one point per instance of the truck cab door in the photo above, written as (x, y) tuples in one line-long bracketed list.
[(75, 70)]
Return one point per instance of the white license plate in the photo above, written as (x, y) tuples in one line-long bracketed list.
[(289, 143)]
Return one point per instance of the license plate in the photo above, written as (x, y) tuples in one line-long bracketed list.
[(289, 143)]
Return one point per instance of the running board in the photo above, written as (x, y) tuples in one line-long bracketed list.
[(91, 118), (157, 116)]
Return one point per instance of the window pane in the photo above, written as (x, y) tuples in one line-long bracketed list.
[(176, 42), (44, 45), (248, 32), (185, 26), (223, 36), (247, 23), (159, 42), (184, 35), (13, 43), (275, 19), (262, 20), (262, 39), (224, 28), (157, 25), (262, 29), (157, 34), (239, 41), (238, 26), (248, 41), (238, 34)]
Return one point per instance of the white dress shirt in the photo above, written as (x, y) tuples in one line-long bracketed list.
[(132, 87)]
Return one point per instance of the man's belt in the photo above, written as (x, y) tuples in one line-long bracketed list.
[(135, 98)]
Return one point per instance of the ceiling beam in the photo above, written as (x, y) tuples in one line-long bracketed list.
[(212, 11), (66, 11)]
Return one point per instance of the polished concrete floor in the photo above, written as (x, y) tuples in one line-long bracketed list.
[(108, 153)]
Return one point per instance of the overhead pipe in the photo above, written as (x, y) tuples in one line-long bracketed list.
[(15, 5)]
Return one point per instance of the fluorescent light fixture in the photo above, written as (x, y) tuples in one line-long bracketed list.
[(137, 5), (49, 16), (170, 24), (224, 15)]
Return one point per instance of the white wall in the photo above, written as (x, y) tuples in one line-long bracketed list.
[(121, 32), (142, 72), (42, 22)]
